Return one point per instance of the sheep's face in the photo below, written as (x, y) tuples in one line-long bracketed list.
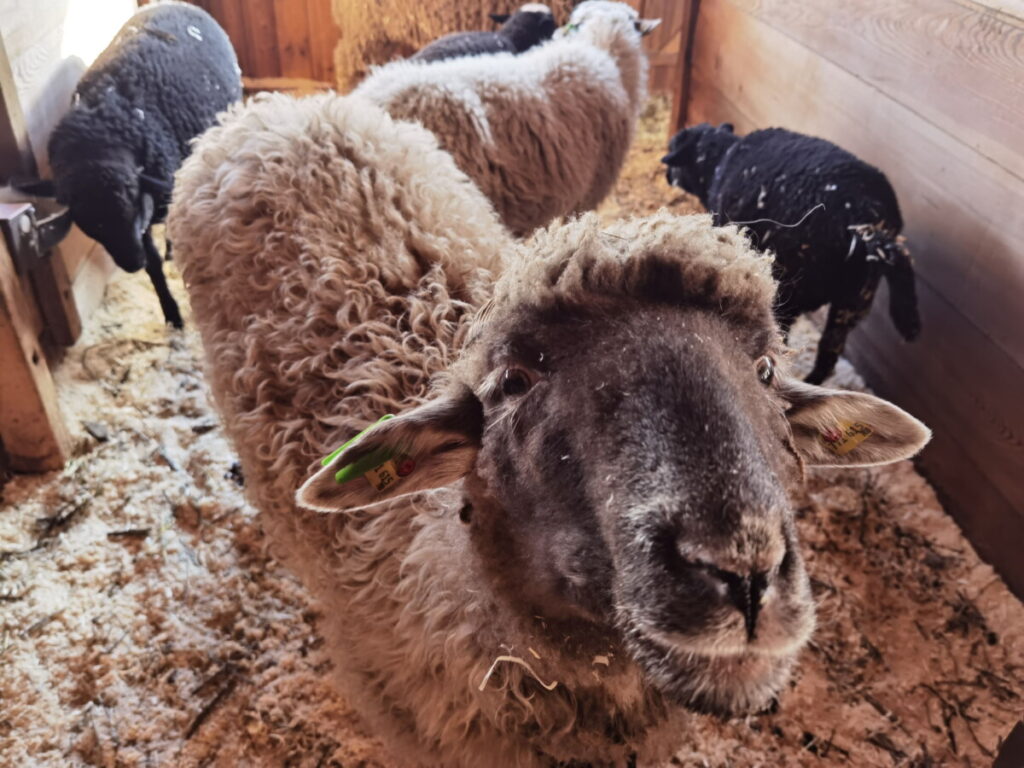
[(626, 469), (632, 472), (693, 155), (607, 11), (112, 208)]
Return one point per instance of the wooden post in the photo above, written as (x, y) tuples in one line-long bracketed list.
[(15, 147), (34, 436), (680, 107), (50, 280)]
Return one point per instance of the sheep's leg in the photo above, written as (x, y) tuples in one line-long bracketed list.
[(842, 318), (155, 270), (167, 250)]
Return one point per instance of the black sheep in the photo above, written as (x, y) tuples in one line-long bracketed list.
[(158, 85), (533, 23), (832, 220)]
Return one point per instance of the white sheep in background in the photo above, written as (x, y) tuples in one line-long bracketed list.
[(543, 133), (622, 548)]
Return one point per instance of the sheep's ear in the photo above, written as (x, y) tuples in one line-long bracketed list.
[(144, 214), (646, 26), (427, 447), (676, 157), (153, 185), (500, 18), (837, 428), (36, 187)]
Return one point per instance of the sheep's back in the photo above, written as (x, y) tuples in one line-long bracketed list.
[(163, 79), (331, 256), (464, 44), (777, 177), (543, 134)]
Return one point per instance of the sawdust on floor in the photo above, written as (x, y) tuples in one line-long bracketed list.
[(143, 624)]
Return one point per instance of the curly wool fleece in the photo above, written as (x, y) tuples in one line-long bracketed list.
[(335, 259)]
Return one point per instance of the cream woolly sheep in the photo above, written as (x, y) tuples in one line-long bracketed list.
[(542, 133), (564, 569)]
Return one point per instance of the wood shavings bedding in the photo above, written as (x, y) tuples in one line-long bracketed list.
[(143, 623)]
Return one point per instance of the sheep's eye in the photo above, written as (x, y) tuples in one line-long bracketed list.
[(516, 381), (765, 369)]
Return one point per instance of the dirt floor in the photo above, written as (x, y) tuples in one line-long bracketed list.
[(142, 624)]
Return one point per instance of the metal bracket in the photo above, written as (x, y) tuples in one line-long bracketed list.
[(28, 237), (30, 240)]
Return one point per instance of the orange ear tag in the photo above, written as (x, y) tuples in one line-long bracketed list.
[(390, 472), (843, 438)]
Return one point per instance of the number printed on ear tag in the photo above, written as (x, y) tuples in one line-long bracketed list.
[(383, 475), (390, 472), (843, 438)]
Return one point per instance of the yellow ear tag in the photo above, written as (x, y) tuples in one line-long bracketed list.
[(844, 438), (390, 472)]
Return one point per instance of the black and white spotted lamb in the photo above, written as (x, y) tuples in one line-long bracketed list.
[(831, 219), (159, 84), (531, 25)]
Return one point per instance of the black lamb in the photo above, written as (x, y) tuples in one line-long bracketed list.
[(158, 85), (532, 24), (832, 220)]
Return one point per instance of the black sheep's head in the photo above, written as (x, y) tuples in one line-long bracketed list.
[(693, 155), (114, 204)]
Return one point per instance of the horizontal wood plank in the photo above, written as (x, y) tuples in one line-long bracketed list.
[(913, 51), (954, 379)]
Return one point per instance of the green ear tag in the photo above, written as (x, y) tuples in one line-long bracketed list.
[(363, 465)]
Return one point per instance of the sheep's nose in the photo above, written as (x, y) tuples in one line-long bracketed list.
[(745, 591), (748, 594), (740, 581)]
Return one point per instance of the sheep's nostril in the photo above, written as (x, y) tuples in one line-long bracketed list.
[(758, 587), (748, 595)]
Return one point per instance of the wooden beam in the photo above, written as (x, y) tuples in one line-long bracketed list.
[(34, 436), (296, 86), (681, 106), (16, 157)]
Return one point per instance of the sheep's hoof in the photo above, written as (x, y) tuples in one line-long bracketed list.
[(175, 321)]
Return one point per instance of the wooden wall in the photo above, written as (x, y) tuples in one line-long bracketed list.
[(666, 44), (298, 38), (280, 38), (932, 92)]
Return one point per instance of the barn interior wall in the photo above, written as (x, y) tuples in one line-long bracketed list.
[(931, 92)]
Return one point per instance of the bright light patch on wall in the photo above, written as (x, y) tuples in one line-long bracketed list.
[(90, 25)]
